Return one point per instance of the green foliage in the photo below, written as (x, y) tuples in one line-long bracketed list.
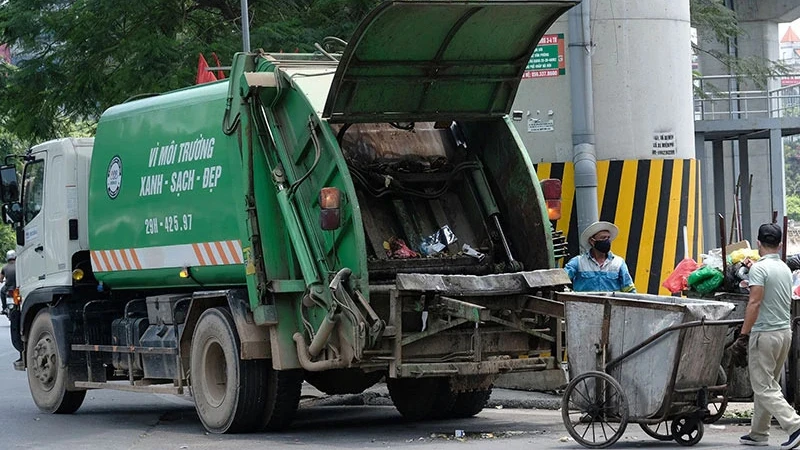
[(721, 22), (79, 57), (8, 240), (791, 158), (793, 207), (9, 145), (715, 16)]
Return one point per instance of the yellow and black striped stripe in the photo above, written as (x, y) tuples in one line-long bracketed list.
[(650, 201)]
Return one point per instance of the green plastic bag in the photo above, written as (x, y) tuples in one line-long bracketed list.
[(705, 280)]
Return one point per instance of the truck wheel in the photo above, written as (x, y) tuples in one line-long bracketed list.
[(421, 398), (283, 396), (47, 376), (229, 393), (470, 403)]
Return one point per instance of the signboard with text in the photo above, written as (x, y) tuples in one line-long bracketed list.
[(548, 58), (790, 81)]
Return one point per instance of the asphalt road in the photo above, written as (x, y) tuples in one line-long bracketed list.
[(120, 420)]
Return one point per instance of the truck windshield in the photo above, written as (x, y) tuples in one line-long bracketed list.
[(33, 187)]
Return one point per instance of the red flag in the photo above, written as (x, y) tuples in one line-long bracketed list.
[(203, 75), (220, 74)]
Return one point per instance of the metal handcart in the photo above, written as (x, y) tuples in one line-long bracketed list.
[(646, 359)]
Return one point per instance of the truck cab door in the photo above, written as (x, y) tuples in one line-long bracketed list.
[(31, 256)]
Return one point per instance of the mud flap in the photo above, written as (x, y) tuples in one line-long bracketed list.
[(14, 316)]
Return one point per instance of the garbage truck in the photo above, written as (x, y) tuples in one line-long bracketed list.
[(338, 217)]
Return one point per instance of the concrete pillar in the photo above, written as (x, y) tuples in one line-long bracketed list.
[(719, 177), (759, 21), (777, 173), (744, 189), (761, 40), (640, 93), (706, 173)]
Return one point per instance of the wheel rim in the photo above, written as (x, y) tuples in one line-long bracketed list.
[(660, 431), (594, 410), (718, 404), (687, 431), (44, 362), (215, 374), (716, 408)]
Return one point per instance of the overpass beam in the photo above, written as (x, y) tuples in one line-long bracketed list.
[(767, 10)]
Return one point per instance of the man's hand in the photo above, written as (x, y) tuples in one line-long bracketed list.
[(739, 350)]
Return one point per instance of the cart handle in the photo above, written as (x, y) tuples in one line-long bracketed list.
[(653, 338)]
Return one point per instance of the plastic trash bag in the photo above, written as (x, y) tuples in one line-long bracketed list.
[(397, 248), (738, 256), (705, 279), (713, 259), (438, 241), (677, 280)]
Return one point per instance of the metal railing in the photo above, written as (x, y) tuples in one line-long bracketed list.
[(719, 97)]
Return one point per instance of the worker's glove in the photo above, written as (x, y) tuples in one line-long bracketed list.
[(738, 350)]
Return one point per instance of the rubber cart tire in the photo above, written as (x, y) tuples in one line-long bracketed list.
[(662, 431), (687, 430), (47, 376), (593, 406)]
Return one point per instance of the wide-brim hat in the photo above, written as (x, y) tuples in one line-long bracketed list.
[(595, 228)]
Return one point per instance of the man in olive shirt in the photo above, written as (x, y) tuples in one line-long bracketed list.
[(768, 336)]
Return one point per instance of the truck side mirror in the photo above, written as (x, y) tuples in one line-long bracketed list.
[(9, 186)]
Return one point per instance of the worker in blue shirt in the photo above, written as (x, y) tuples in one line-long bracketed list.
[(598, 269)]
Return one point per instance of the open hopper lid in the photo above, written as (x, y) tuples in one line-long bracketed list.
[(438, 59)]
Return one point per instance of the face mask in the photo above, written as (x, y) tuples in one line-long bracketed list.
[(602, 246)]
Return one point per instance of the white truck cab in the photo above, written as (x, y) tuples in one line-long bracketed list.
[(54, 195)]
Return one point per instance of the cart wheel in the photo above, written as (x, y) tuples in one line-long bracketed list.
[(687, 430), (594, 410), (660, 431), (718, 403)]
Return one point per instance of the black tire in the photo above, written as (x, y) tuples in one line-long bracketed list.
[(283, 397), (468, 404), (48, 378), (594, 401), (718, 403), (444, 405), (662, 431), (687, 430), (421, 398), (232, 395)]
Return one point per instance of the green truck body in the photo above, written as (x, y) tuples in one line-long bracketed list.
[(333, 218)]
